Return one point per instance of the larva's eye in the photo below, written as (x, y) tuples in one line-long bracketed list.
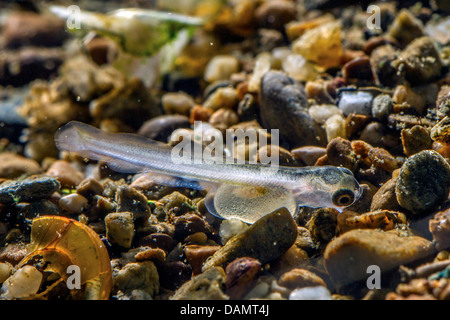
[(343, 197)]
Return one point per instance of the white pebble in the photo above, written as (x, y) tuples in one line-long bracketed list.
[(221, 68), (297, 67), (263, 64), (230, 228), (311, 293), (321, 113), (335, 127), (22, 284), (5, 271), (177, 103), (73, 203), (222, 98)]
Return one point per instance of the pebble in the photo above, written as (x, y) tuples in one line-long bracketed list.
[(65, 173), (205, 286), (24, 283), (374, 134), (283, 104), (28, 190), (129, 199), (406, 99), (300, 278), (297, 67), (13, 166), (221, 67), (311, 293), (160, 128), (189, 224), (21, 67), (441, 131), (5, 271), (381, 158), (265, 240), (102, 50), (120, 229), (222, 98), (274, 15), (74, 203), (382, 106), (381, 60), (151, 254), (439, 227), (423, 182), (415, 140), (31, 29), (177, 103), (173, 274), (385, 198), (443, 101), (177, 203), (348, 256), (308, 154), (230, 228), (322, 224), (321, 113), (358, 69), (196, 255), (420, 62), (321, 91), (340, 153), (335, 127), (223, 118), (137, 275), (240, 276), (158, 240), (381, 219), (89, 187), (356, 101), (405, 28), (263, 64), (283, 156), (321, 45)]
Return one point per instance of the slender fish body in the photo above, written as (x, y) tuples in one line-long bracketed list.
[(326, 186)]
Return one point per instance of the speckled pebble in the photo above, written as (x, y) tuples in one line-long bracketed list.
[(137, 275), (205, 286), (120, 228), (28, 190), (265, 240), (348, 256), (439, 227), (423, 182), (415, 140)]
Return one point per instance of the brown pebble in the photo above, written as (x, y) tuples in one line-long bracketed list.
[(274, 15), (355, 123), (158, 240), (439, 227), (415, 140), (383, 159), (385, 198), (188, 224), (340, 153), (308, 154), (348, 256), (196, 238), (13, 253), (200, 113), (13, 165), (240, 276), (268, 152), (224, 118), (300, 278), (89, 187), (156, 255), (65, 173), (358, 68), (196, 255)]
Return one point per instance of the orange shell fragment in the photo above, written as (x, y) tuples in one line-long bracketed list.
[(62, 242)]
